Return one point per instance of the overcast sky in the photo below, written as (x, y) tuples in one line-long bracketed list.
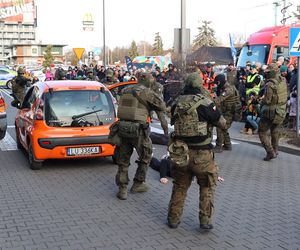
[(60, 21)]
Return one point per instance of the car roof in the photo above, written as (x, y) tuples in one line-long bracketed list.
[(69, 84)]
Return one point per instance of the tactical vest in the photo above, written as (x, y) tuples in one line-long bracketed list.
[(187, 122), (232, 99), (280, 92), (131, 106)]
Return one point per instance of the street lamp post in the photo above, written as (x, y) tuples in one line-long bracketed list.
[(104, 54), (183, 36)]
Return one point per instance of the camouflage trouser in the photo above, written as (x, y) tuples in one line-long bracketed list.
[(202, 166), (223, 137), (143, 146), (270, 144)]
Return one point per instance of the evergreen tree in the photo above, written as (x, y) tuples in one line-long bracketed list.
[(48, 57), (132, 53), (205, 37), (297, 14), (158, 45)]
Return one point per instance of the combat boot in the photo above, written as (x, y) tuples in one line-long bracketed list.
[(206, 226), (122, 194), (270, 156), (173, 224), (205, 223), (227, 147), (218, 149), (139, 187)]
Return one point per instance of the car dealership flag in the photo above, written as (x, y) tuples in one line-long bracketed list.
[(128, 63)]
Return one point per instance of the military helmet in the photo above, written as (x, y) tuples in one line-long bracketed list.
[(109, 73), (146, 79), (272, 67), (89, 70), (193, 80), (220, 79), (21, 70)]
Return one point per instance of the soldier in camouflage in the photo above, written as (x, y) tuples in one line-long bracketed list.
[(273, 110), (19, 84), (90, 75), (110, 79), (161, 115), (193, 116), (135, 105), (227, 99)]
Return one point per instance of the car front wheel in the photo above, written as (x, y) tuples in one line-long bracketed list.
[(33, 163), (9, 84)]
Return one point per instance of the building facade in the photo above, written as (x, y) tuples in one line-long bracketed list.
[(17, 25), (32, 54)]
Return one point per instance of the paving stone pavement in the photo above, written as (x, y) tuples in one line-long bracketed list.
[(72, 205)]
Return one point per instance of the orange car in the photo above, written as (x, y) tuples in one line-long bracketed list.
[(64, 120)]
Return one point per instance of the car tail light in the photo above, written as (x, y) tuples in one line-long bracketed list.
[(39, 112), (2, 105), (2, 102)]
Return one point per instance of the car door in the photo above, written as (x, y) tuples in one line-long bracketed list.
[(26, 114)]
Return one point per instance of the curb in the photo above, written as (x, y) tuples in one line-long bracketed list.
[(285, 149)]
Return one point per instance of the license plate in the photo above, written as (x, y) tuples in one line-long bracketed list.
[(82, 151)]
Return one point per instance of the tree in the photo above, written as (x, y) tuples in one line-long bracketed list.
[(145, 48), (132, 53), (48, 57), (205, 37), (158, 45), (297, 14)]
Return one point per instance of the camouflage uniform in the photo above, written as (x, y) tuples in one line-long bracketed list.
[(273, 111), (191, 151), (161, 115), (227, 98), (90, 75), (135, 105), (110, 79), (19, 84), (232, 77)]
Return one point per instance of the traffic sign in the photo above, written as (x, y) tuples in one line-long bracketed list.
[(78, 52), (294, 42), (90, 54)]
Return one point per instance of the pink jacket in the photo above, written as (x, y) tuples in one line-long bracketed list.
[(49, 76)]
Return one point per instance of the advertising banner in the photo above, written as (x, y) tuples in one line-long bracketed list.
[(17, 11)]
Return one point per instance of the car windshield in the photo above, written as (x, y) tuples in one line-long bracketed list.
[(253, 53), (74, 108)]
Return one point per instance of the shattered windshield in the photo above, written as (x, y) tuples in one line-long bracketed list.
[(73, 108)]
